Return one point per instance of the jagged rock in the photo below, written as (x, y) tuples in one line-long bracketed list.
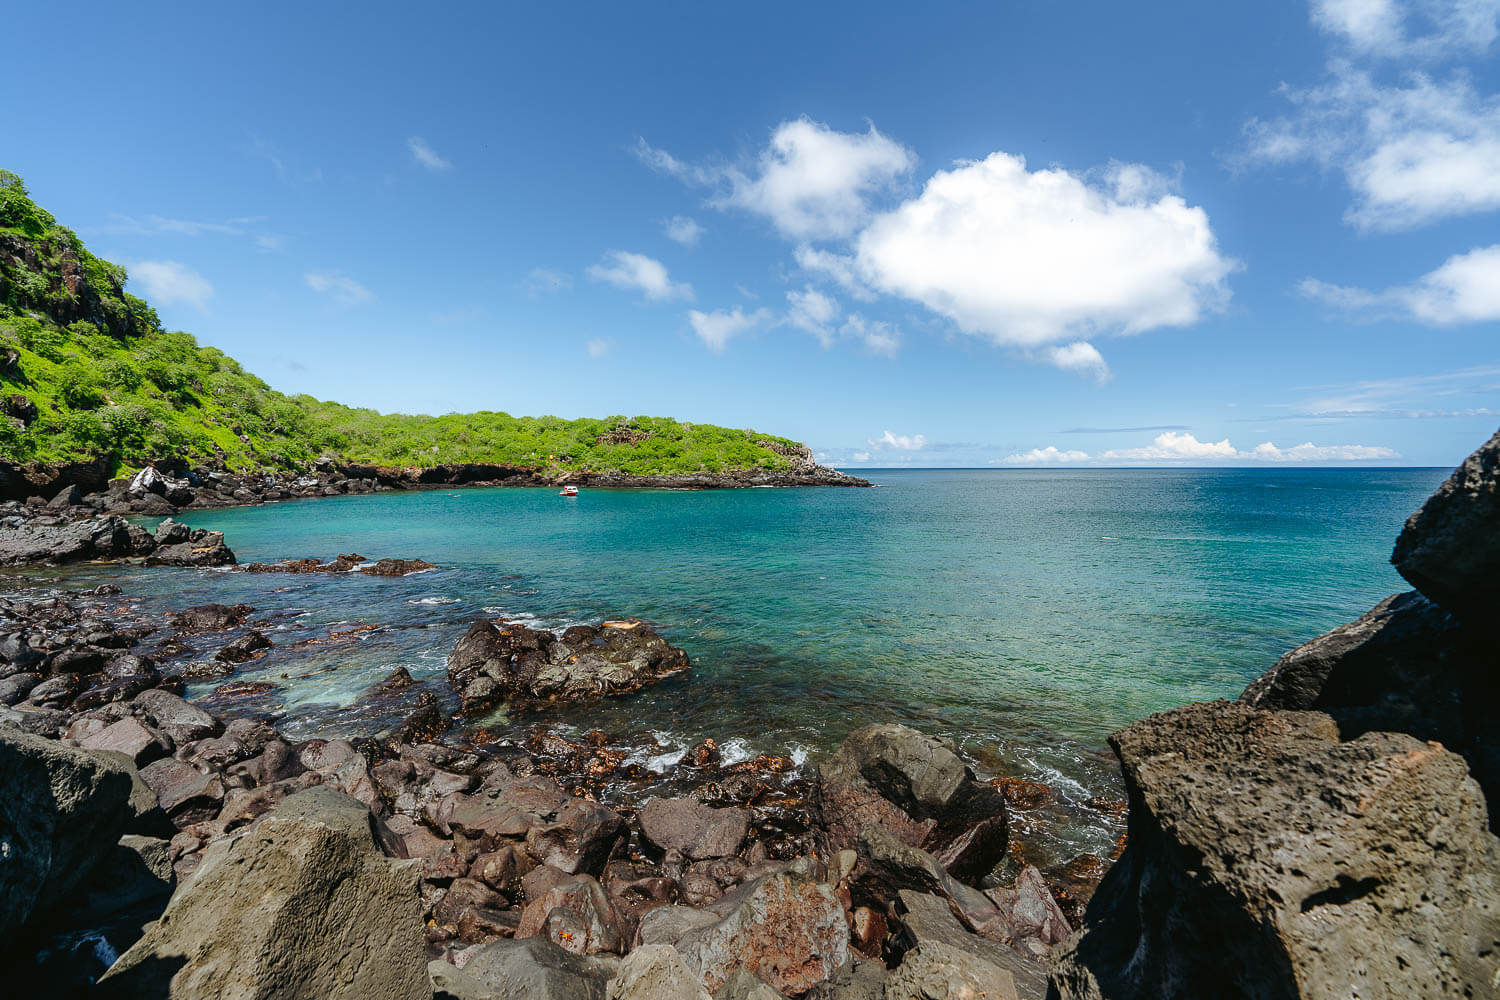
[(148, 480), (531, 969), (742, 985), (528, 666), (670, 924), (886, 866), (1450, 549), (139, 870), (576, 915), (60, 815), (856, 980), (245, 648), (787, 928), (68, 496), (202, 549), (918, 789), (936, 971), (1407, 666), (920, 918), (303, 905), (396, 567), (684, 828), (105, 537), (1268, 859), (1027, 918), (210, 617), (187, 795), (573, 835), (655, 972)]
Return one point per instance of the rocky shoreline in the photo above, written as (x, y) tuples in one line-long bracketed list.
[(168, 487), (1327, 835)]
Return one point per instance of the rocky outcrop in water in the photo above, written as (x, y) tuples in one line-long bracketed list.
[(530, 667), (1321, 838)]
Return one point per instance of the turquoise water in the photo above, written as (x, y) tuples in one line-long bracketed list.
[(1024, 613)]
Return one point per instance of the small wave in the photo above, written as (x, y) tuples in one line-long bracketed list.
[(436, 600), (734, 750)]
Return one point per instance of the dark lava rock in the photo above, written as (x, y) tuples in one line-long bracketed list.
[(203, 549), (1450, 549), (210, 617), (397, 567), (917, 788), (1267, 859), (106, 537), (1407, 666), (246, 647), (60, 815), (529, 667)]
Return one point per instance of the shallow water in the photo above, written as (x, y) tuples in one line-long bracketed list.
[(1025, 614)]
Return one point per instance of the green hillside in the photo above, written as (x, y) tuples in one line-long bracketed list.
[(86, 370)]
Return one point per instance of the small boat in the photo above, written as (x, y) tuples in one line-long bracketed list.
[(568, 491)]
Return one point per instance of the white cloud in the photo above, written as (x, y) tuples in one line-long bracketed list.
[(426, 155), (1465, 289), (814, 312), (1081, 357), (598, 347), (344, 290), (1173, 448), (684, 230), (1025, 258), (878, 336), (810, 181), (1404, 397), (545, 281), (634, 271), (1045, 456), (836, 267), (717, 328), (167, 282), (1379, 28), (861, 456), (899, 442)]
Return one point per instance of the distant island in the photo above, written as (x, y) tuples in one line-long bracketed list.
[(92, 386)]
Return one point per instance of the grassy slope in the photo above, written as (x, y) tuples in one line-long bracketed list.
[(106, 379)]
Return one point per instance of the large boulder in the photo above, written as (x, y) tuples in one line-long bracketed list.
[(529, 667), (531, 969), (917, 788), (1407, 666), (655, 972), (304, 904), (686, 829), (91, 538), (788, 929), (61, 812), (1450, 549), (1268, 859)]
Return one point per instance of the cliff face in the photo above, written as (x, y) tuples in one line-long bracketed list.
[(1328, 835)]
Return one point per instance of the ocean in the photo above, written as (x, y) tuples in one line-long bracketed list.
[(1023, 614)]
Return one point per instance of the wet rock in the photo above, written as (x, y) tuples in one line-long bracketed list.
[(58, 691), (247, 647), (210, 617), (182, 722), (16, 687), (1266, 858), (60, 815), (684, 828), (424, 725), (1450, 549), (529, 667), (396, 567), (655, 972), (917, 788), (787, 929), (531, 969), (305, 904)]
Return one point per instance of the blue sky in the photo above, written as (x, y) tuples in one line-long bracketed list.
[(1010, 234)]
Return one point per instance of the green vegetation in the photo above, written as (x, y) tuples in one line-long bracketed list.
[(107, 380)]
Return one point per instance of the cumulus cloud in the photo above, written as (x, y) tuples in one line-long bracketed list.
[(838, 268), (899, 442), (342, 289), (1025, 257), (598, 347), (1422, 29), (426, 155), (637, 272), (1465, 289), (716, 329), (1049, 455), (1173, 448), (167, 282), (1081, 357), (811, 182), (684, 230)]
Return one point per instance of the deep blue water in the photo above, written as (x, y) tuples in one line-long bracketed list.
[(1024, 613)]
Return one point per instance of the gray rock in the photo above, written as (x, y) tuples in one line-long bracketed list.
[(860, 979), (303, 905), (742, 985), (532, 969), (1268, 859), (918, 789), (655, 972), (787, 929), (61, 814), (921, 918), (935, 971), (1450, 549), (91, 538), (184, 723), (187, 795), (138, 871), (130, 737), (1027, 917), (886, 866), (685, 828), (670, 924)]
